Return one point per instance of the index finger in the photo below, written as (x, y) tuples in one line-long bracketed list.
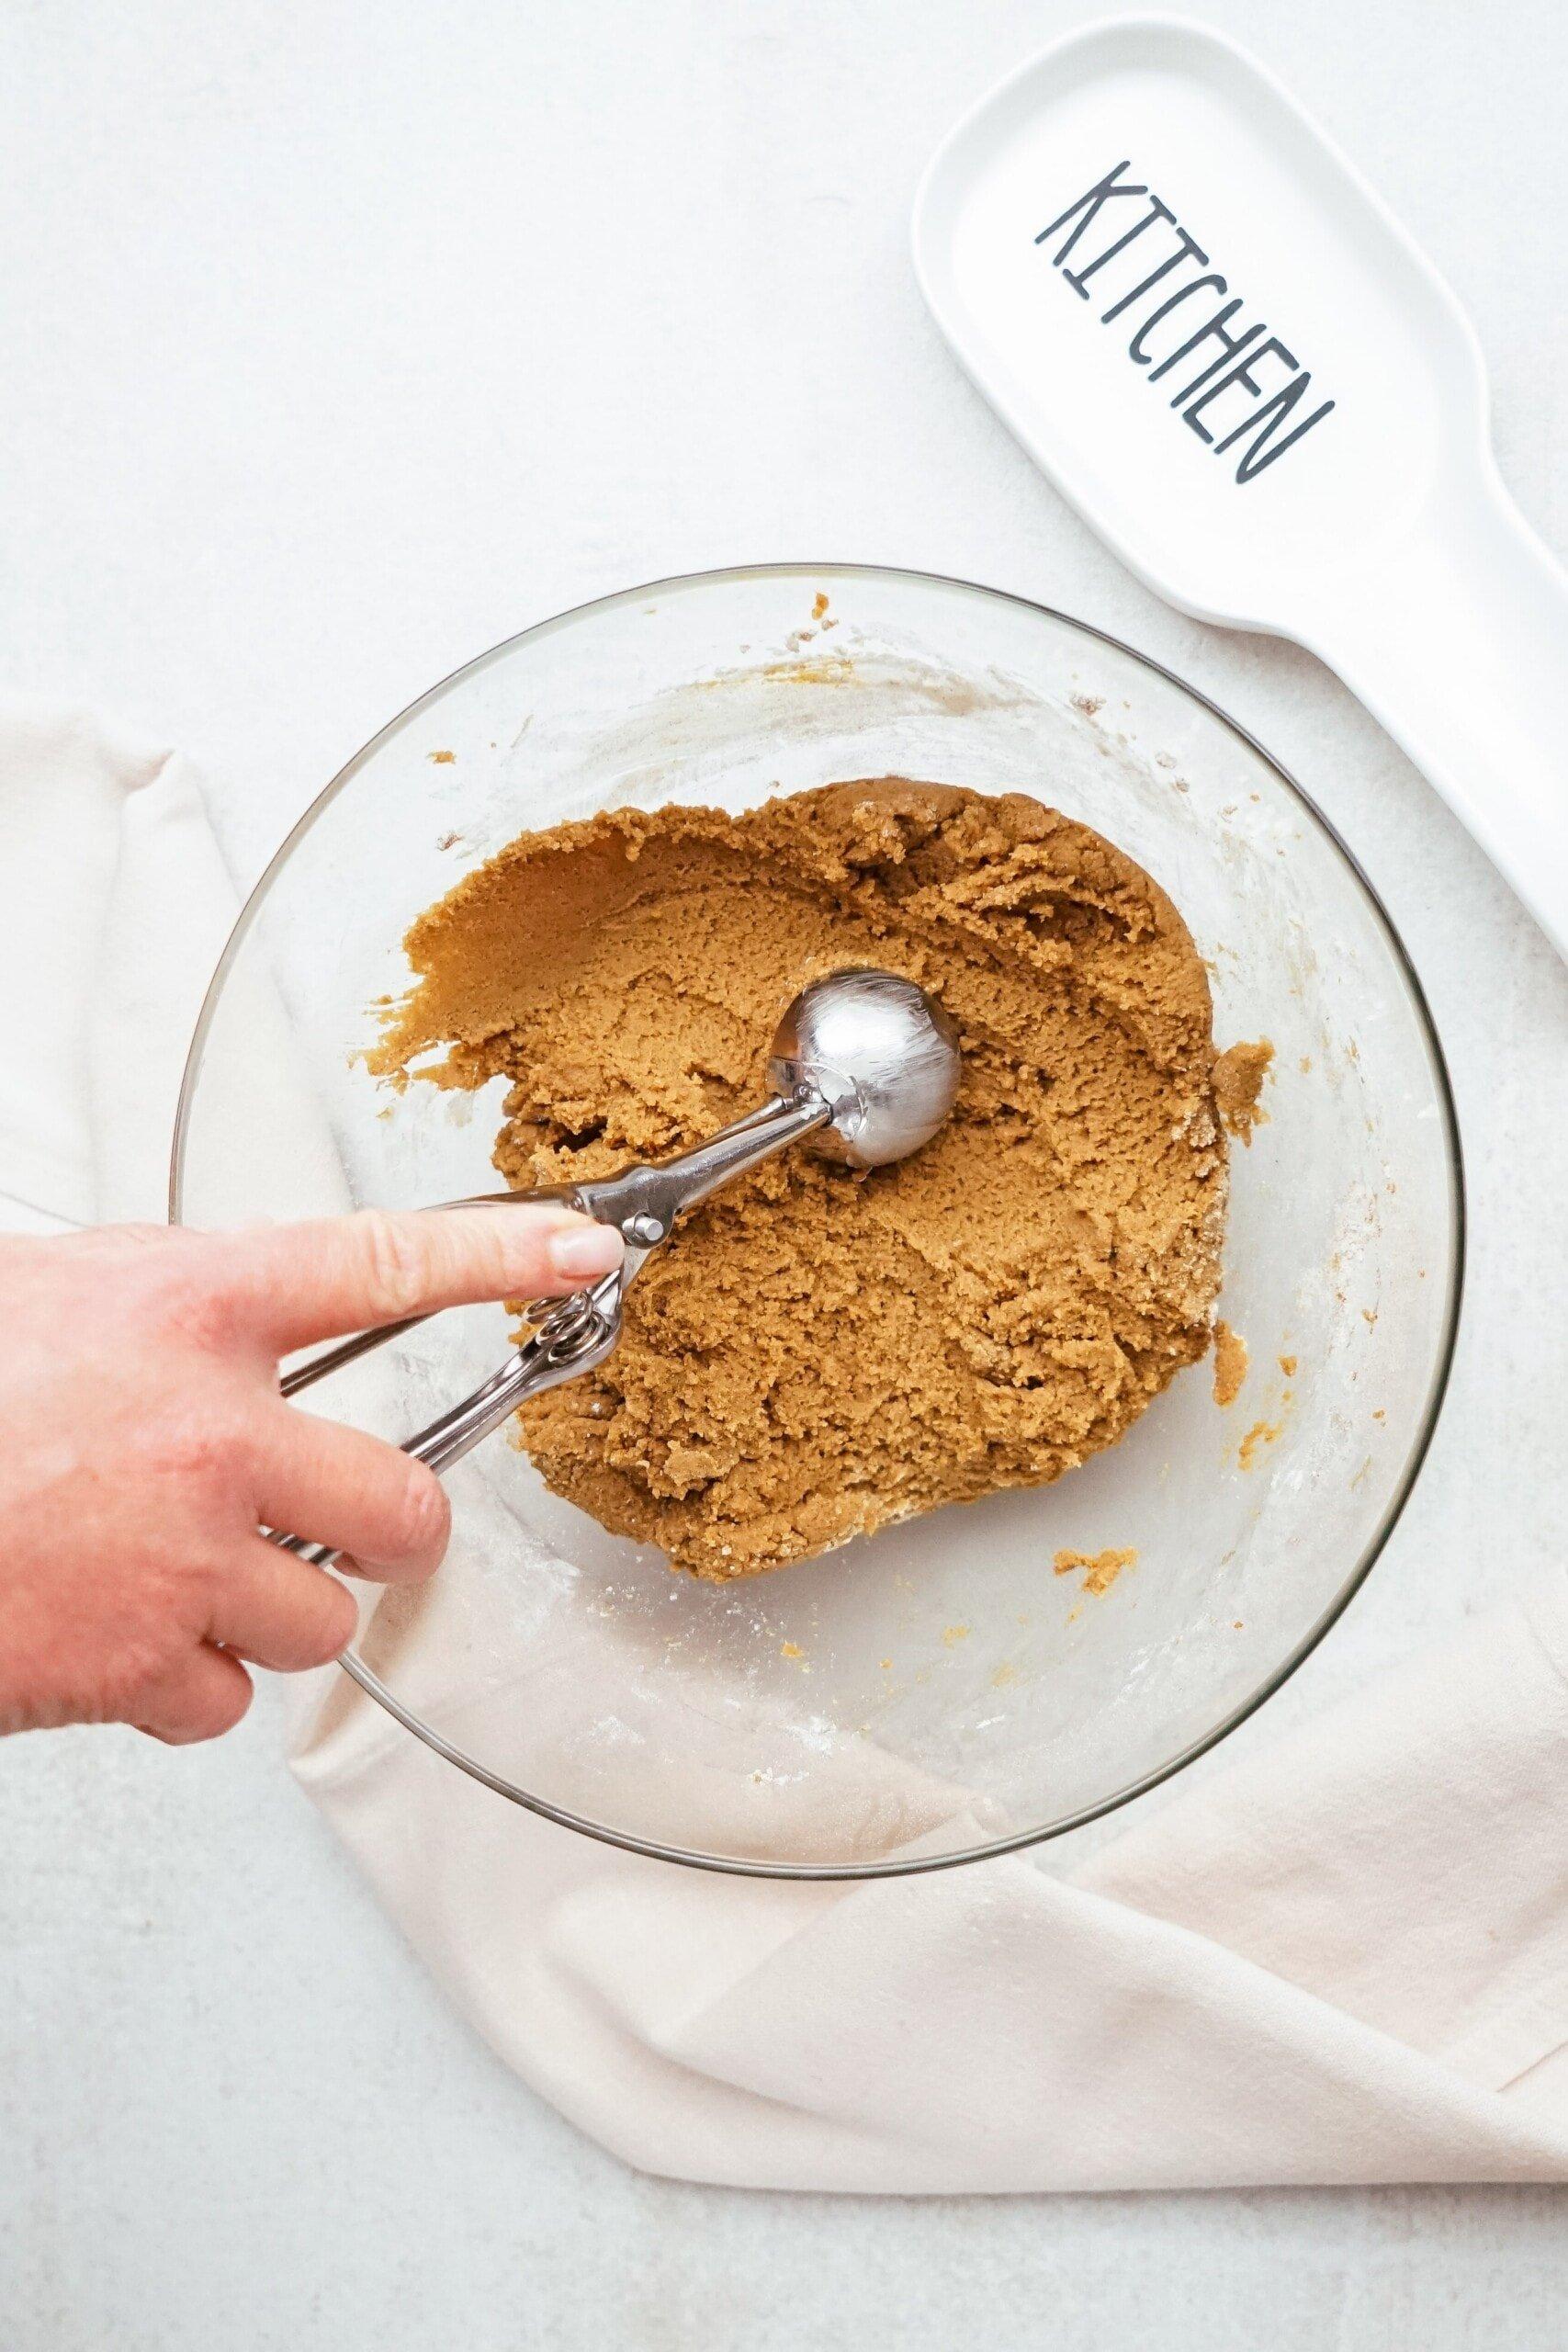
[(294, 1283)]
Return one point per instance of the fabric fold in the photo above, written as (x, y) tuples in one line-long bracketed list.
[(1344, 1959)]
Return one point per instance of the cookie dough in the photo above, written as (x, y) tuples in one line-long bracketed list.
[(1100, 1569), (1231, 1361), (1239, 1073), (820, 1351)]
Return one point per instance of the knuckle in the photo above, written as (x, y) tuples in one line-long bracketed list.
[(140, 1683), (232, 1703), (127, 1249), (338, 1622), (198, 1313), (396, 1265), (185, 1296), (420, 1514), (208, 1448), (146, 1237), (136, 1259), (216, 1708), (136, 1679)]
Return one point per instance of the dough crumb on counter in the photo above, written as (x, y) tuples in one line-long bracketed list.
[(820, 1352)]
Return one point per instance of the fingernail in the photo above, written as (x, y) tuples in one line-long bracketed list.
[(580, 1250)]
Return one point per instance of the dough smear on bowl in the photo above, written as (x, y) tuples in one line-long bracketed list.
[(819, 1351)]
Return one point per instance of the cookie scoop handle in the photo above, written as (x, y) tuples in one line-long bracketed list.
[(577, 1335)]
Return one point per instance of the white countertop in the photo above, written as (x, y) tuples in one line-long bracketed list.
[(344, 339)]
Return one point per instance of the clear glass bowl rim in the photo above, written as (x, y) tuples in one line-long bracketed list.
[(1454, 1265)]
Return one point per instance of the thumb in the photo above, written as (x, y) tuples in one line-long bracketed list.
[(293, 1283)]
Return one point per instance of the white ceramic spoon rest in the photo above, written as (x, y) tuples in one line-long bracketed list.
[(1228, 355)]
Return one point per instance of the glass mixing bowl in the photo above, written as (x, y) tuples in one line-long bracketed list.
[(937, 1691)]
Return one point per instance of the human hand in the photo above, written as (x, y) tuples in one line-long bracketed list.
[(143, 1443)]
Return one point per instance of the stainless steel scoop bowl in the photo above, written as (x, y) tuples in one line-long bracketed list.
[(881, 1055)]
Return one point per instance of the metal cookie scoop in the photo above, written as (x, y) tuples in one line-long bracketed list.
[(863, 1062)]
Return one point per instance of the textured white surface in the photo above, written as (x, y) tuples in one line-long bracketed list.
[(345, 340)]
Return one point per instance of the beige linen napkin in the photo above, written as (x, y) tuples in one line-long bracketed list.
[(1347, 1963)]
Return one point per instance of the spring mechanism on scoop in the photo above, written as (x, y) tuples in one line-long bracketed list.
[(566, 1329)]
